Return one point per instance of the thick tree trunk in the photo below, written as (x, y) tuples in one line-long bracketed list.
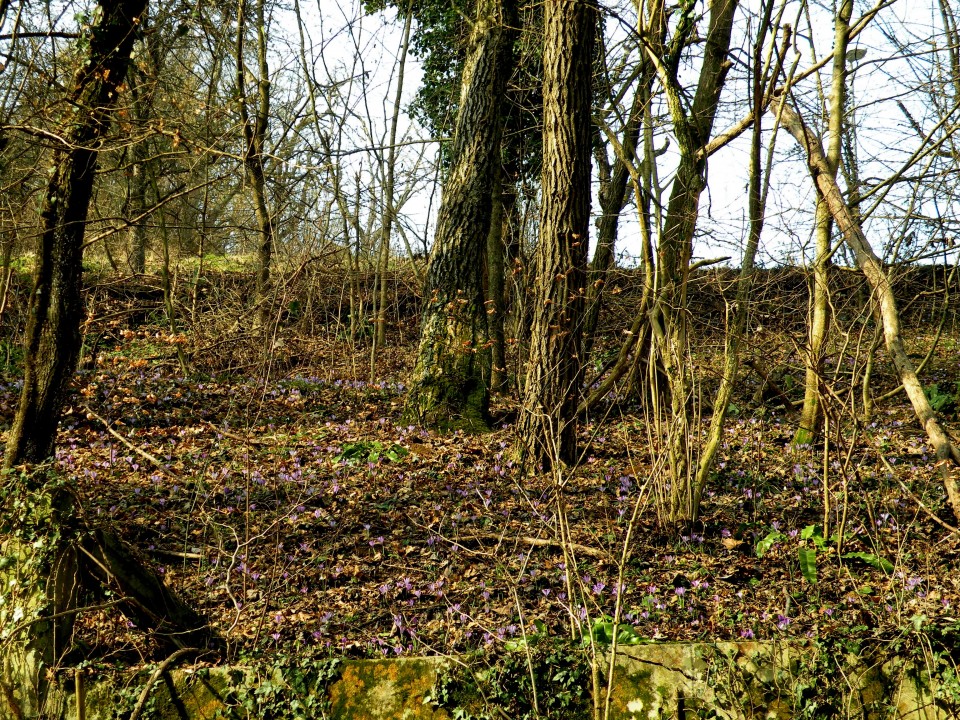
[(53, 336), (817, 333), (450, 382), (872, 268), (548, 423)]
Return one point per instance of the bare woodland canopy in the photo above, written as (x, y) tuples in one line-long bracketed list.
[(499, 167), (287, 135)]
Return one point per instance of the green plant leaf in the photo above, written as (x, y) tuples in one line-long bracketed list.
[(604, 629), (628, 635), (396, 452), (808, 564), (772, 538), (370, 451), (870, 559)]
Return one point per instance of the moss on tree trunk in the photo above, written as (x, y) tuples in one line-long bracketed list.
[(53, 336), (450, 382)]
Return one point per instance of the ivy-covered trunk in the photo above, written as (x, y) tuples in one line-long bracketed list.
[(450, 382), (53, 336), (55, 565), (51, 558)]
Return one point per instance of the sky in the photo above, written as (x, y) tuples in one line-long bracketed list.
[(896, 86), (356, 61)]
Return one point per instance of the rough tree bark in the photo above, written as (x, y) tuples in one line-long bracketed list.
[(450, 381), (53, 338), (554, 374), (947, 453)]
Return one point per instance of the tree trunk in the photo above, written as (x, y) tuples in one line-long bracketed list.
[(613, 196), (141, 94), (737, 330), (389, 169), (450, 382), (810, 413), (46, 581), (503, 199), (254, 135), (668, 315), (554, 374), (49, 546), (135, 210), (872, 268), (53, 336)]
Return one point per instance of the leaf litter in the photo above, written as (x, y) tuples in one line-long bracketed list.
[(302, 513)]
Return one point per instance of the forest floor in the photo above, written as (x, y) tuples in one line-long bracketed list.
[(300, 513)]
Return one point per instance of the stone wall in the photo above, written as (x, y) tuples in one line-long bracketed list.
[(720, 680)]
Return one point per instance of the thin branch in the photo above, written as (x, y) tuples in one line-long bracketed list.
[(34, 35), (160, 670), (927, 511), (65, 613), (141, 452)]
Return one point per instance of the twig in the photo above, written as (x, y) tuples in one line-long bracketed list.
[(771, 383), (706, 262), (160, 670), (139, 451), (65, 613), (541, 542), (178, 554), (927, 511), (234, 436)]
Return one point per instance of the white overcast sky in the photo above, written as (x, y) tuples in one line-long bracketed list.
[(354, 43)]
